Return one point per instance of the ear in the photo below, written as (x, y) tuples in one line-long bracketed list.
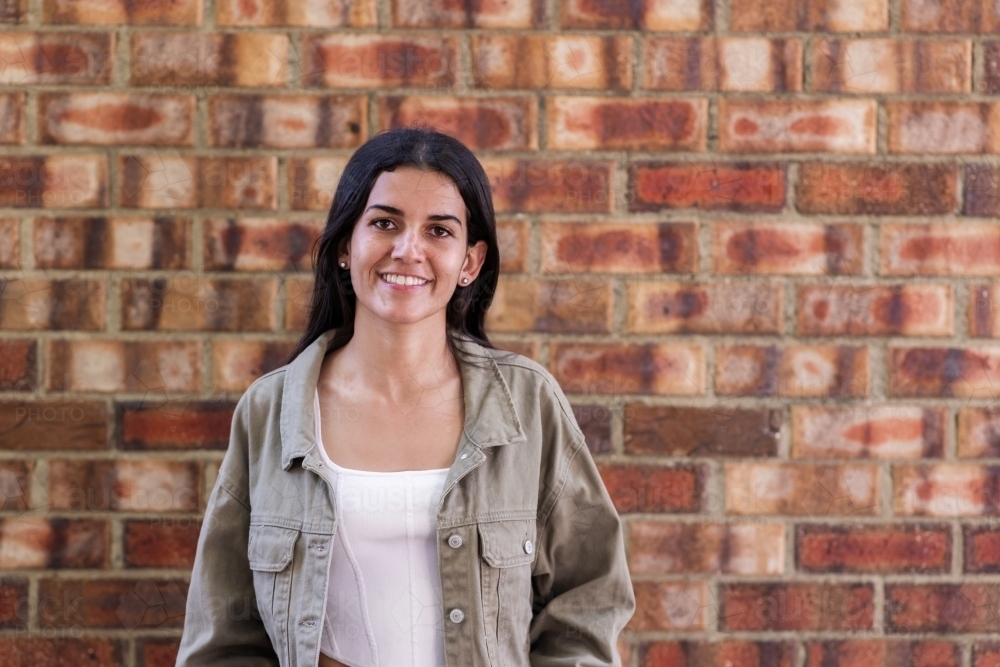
[(475, 256)]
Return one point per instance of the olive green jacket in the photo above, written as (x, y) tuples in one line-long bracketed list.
[(530, 548)]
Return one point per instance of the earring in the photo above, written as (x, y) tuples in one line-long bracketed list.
[(343, 265), (465, 280)]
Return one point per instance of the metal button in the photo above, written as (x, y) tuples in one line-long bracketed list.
[(309, 623), (454, 541), (528, 547), (463, 456), (456, 615), (320, 547)]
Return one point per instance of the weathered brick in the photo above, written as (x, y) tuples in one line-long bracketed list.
[(739, 186), (801, 489), (122, 12), (771, 126), (880, 653), (722, 63), (10, 243), (379, 61), (259, 244), (793, 370), (486, 123), (940, 249), (18, 478), (14, 603), (299, 294), (467, 14), (876, 310), (945, 489), (809, 15), (587, 62), (203, 59), (982, 197), (661, 605), (780, 248), (982, 549), (601, 123), (237, 363), (667, 430), (892, 66), (312, 182), (161, 542), (78, 180), (173, 181), (885, 188), (62, 651), (34, 304), (112, 604), (595, 422), (716, 308), (13, 11), (557, 186), (12, 118), (941, 608), (330, 14), (727, 653), (37, 542), (986, 654), (123, 366), (944, 371), (979, 432), (629, 368), (648, 488), (873, 549), (152, 652), (661, 547), (990, 83), (196, 425), (619, 247), (655, 15), (111, 243), (183, 304), (133, 485), (512, 239), (868, 431), (943, 127), (975, 16), (554, 306), (53, 425), (782, 606), (116, 118), (18, 366), (984, 311), (80, 58), (527, 348), (286, 121)]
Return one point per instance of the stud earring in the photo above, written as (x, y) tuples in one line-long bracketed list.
[(343, 265), (465, 280)]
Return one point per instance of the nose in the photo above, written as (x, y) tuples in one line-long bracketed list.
[(408, 246)]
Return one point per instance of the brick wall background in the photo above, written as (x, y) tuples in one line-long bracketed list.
[(754, 240)]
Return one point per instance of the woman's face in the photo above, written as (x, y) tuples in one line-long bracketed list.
[(408, 251)]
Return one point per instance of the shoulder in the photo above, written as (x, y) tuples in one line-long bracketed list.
[(265, 390)]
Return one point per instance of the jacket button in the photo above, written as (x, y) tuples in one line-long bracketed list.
[(309, 623), (528, 547), (454, 541), (456, 615), (464, 456)]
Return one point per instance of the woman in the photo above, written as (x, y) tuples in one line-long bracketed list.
[(400, 493)]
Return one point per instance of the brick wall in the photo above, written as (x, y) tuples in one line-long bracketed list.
[(753, 239)]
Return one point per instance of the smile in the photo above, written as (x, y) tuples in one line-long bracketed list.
[(406, 281)]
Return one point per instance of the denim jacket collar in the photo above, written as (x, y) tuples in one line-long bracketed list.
[(490, 418)]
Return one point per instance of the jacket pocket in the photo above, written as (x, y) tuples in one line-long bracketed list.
[(507, 550), (269, 552)]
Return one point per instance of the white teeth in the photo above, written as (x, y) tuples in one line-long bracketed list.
[(401, 280)]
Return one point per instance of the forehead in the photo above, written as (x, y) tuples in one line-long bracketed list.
[(408, 187)]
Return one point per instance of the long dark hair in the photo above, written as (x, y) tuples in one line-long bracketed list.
[(333, 300)]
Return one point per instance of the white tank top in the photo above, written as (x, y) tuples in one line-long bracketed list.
[(383, 605)]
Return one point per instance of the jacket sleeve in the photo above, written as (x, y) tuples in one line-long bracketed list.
[(583, 593), (222, 624)]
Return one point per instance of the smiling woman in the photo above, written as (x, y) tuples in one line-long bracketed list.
[(401, 493)]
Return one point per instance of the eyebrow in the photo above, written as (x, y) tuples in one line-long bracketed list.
[(395, 211)]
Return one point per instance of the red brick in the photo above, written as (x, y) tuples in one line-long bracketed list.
[(587, 62), (259, 244), (156, 652), (80, 58), (18, 367), (554, 306), (379, 61), (944, 372), (863, 431), (487, 123), (112, 604), (467, 14), (12, 118), (10, 243), (13, 11), (512, 238), (739, 186), (174, 181), (982, 549), (981, 194), (79, 180), (668, 430), (722, 63), (557, 186), (161, 542), (647, 488), (330, 14), (669, 606), (116, 366), (112, 243), (979, 432), (35, 304), (655, 15), (940, 249), (872, 549), (594, 420), (237, 363), (619, 247), (632, 368), (201, 59), (876, 310), (286, 121), (986, 654), (185, 304), (941, 608), (892, 66), (945, 489), (801, 489), (990, 83), (596, 123), (299, 293), (943, 127), (785, 606), (122, 12), (717, 308), (837, 126), (312, 182), (14, 603), (36, 542), (793, 370), (886, 188), (197, 425), (731, 653), (17, 480), (132, 485), (984, 311), (106, 119), (879, 653), (781, 248), (52, 424), (975, 16), (660, 547), (809, 15), (62, 652)]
